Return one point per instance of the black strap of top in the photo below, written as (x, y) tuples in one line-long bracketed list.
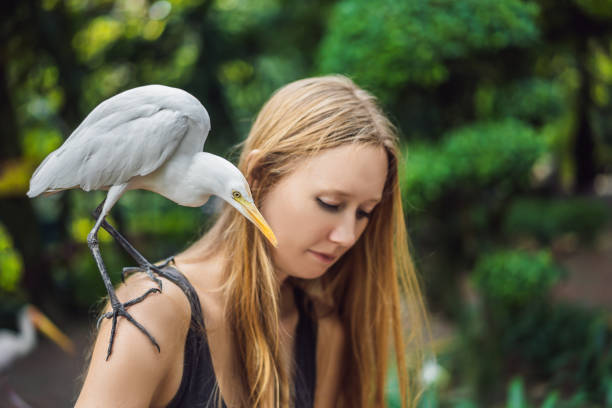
[(305, 375), (199, 387)]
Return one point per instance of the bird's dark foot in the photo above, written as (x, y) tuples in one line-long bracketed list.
[(119, 309), (149, 269)]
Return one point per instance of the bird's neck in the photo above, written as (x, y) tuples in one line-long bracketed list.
[(206, 173), (183, 180)]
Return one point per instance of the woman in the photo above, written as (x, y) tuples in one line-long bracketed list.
[(311, 321)]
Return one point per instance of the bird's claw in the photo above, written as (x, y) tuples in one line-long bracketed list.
[(148, 269), (128, 270), (119, 309)]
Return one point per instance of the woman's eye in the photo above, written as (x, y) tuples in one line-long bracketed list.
[(363, 214), (326, 206), (336, 207)]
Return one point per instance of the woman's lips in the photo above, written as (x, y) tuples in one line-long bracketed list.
[(327, 259)]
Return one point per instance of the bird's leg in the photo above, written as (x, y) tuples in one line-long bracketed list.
[(145, 265), (117, 306)]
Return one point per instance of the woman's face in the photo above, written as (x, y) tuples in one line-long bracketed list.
[(319, 210)]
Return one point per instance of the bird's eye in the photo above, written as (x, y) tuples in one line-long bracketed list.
[(236, 194)]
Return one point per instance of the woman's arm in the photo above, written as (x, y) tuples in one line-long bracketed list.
[(330, 351), (136, 374)]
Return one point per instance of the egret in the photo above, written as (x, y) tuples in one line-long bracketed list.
[(148, 138), (17, 344)]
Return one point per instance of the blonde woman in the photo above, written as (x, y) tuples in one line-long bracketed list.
[(318, 321)]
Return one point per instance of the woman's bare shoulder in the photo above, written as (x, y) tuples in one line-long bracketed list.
[(136, 372)]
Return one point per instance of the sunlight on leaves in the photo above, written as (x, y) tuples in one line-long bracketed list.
[(38, 142), (11, 263), (153, 29), (80, 227), (15, 177), (101, 33)]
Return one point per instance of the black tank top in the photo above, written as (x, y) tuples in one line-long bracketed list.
[(199, 386)]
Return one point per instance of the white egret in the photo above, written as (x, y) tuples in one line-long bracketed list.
[(17, 344), (149, 138)]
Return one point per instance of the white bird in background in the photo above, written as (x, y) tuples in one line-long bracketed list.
[(149, 138), (17, 344)]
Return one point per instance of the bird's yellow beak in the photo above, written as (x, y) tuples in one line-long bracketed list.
[(257, 219), (42, 323)]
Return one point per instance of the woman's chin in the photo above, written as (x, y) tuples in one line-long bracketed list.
[(312, 273)]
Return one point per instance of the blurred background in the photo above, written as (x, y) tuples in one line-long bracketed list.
[(504, 109)]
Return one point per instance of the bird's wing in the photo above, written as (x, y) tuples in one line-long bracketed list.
[(111, 146)]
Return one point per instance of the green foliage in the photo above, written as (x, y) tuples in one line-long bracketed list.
[(519, 329), (81, 285), (532, 100), (236, 16), (518, 398), (546, 219), (394, 43), (11, 264), (515, 278), (152, 215), (486, 75), (599, 9), (567, 346), (516, 394), (471, 158), (248, 85), (430, 399), (38, 142)]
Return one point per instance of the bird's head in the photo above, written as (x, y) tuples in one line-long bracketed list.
[(239, 196), (229, 184)]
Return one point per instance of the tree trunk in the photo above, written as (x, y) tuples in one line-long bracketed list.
[(16, 213), (583, 149)]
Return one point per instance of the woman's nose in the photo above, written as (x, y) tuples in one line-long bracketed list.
[(344, 231)]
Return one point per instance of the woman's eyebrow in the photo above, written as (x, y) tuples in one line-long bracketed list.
[(342, 193)]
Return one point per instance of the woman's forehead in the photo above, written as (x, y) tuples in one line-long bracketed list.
[(349, 169)]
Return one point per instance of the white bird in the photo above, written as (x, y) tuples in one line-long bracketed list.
[(17, 344), (149, 138)]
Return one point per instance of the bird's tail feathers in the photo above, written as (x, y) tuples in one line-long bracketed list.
[(43, 177)]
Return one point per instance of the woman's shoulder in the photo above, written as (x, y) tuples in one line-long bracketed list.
[(168, 309), (136, 369)]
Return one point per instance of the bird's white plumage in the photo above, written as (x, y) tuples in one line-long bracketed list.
[(131, 134), (148, 138)]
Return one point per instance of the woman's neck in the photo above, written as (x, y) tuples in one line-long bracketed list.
[(287, 306), (213, 279)]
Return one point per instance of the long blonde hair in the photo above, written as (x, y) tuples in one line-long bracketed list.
[(363, 288)]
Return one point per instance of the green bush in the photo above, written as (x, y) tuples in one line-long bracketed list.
[(534, 100), (470, 159), (545, 219), (419, 36), (516, 397), (514, 277), (569, 347), (11, 263), (520, 329)]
